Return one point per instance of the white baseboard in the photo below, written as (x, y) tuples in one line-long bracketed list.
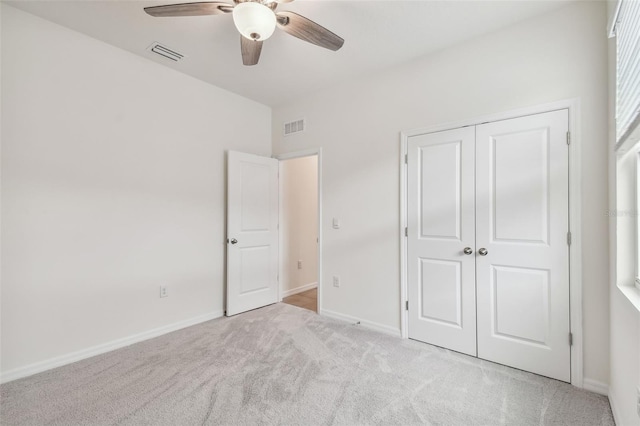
[(364, 323), (59, 361), (595, 386), (614, 409), (297, 290)]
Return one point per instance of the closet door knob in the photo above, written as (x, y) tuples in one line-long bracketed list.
[(483, 251), (467, 250), (233, 241)]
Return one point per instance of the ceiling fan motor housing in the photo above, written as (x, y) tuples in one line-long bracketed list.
[(254, 20)]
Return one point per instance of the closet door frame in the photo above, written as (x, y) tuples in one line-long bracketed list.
[(575, 249)]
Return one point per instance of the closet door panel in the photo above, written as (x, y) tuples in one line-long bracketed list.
[(441, 277), (522, 223)]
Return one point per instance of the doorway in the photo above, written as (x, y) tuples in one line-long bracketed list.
[(299, 201)]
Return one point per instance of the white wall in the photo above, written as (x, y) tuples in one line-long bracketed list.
[(299, 227), (113, 183), (625, 318), (556, 56)]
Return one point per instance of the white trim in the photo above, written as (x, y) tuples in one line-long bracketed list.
[(595, 386), (288, 156), (299, 154), (614, 408), (381, 328), (520, 112), (59, 361), (280, 239), (575, 251), (630, 139), (297, 290), (575, 191), (631, 293), (611, 31), (404, 223)]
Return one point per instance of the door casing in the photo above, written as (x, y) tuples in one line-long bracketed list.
[(575, 250)]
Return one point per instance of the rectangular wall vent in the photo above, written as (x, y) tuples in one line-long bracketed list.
[(292, 127), (165, 52)]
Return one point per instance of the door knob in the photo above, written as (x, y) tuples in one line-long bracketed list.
[(467, 250), (233, 241), (483, 251)]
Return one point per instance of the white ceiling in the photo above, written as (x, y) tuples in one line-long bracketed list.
[(377, 35)]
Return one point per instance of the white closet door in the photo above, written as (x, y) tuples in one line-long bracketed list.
[(522, 223), (441, 277)]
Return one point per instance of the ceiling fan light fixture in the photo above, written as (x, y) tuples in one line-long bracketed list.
[(254, 21)]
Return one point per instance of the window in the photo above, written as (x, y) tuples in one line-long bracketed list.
[(626, 29)]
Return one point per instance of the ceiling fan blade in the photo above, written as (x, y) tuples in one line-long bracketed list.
[(250, 50), (307, 30), (190, 9)]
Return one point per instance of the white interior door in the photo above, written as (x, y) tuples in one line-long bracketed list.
[(252, 232), (522, 215), (441, 219)]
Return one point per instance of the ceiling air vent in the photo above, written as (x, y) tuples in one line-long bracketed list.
[(165, 52), (292, 127)]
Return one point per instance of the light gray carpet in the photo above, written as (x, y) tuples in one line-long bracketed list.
[(286, 365)]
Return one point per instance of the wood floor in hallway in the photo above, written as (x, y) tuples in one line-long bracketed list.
[(307, 300)]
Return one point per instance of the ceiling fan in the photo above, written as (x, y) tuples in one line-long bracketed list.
[(256, 21)]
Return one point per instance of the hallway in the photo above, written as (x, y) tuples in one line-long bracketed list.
[(307, 300)]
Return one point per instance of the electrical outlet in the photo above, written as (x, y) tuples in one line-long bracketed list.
[(299, 264), (336, 281), (164, 291)]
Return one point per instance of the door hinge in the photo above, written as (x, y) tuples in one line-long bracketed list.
[(570, 339), (568, 138), (406, 159), (569, 238), (406, 305), (406, 231)]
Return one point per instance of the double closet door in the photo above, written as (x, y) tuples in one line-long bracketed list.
[(488, 253)]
